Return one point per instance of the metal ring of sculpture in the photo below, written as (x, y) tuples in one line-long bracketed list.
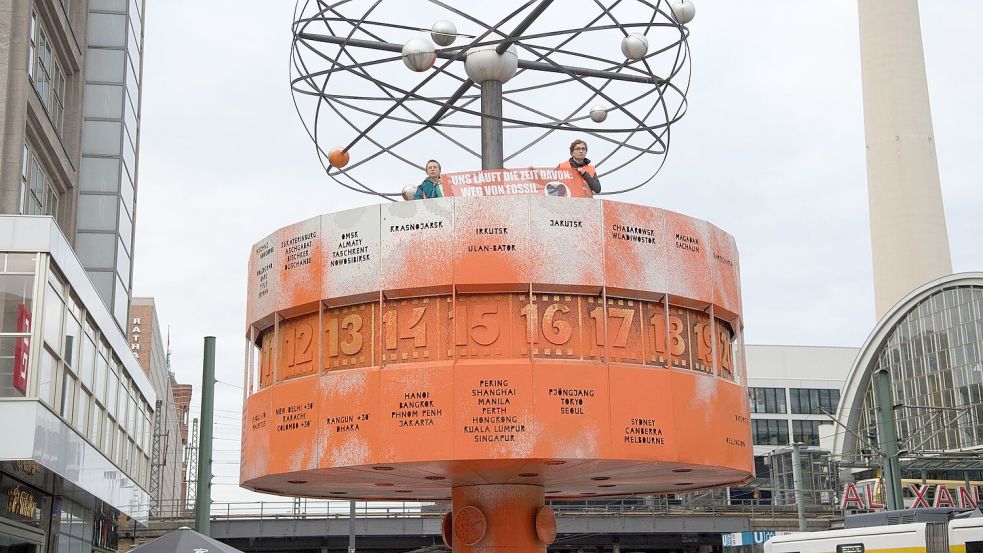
[(616, 72)]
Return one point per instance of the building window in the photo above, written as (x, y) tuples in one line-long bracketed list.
[(74, 526), (39, 196), (806, 432), (16, 318), (767, 400), (769, 432), (46, 74), (806, 401)]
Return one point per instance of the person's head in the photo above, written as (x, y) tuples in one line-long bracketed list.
[(578, 150), (433, 168)]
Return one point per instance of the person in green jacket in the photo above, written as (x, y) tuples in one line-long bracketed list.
[(430, 187)]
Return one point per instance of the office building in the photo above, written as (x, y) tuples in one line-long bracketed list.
[(77, 450), (79, 408), (795, 395), (70, 75), (168, 496)]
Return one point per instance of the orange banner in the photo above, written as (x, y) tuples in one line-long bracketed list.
[(510, 182)]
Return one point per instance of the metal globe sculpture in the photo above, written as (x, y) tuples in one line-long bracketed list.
[(352, 88)]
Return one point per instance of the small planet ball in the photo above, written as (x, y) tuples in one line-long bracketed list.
[(338, 158), (443, 32), (635, 46), (598, 114), (683, 10), (408, 192), (419, 54)]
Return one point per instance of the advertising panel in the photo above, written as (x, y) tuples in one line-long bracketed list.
[(22, 349)]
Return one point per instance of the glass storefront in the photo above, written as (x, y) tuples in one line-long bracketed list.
[(34, 521), (14, 544), (25, 516), (71, 527)]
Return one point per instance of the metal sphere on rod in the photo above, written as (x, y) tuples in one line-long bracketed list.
[(683, 10), (443, 32), (409, 191), (635, 46), (338, 158), (419, 54), (598, 114)]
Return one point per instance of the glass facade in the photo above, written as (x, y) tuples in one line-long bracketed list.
[(17, 272), (110, 137), (791, 401), (934, 356), (71, 527), (807, 432), (813, 401), (77, 375), (769, 431), (767, 400), (819, 476)]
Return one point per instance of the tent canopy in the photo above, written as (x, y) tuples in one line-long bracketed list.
[(184, 540)]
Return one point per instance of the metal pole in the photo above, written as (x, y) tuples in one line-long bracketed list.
[(492, 145), (887, 437), (351, 526), (800, 506), (203, 497)]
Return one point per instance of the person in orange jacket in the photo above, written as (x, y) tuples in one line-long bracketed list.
[(579, 163)]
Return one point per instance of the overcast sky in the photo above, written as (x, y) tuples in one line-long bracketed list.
[(771, 150)]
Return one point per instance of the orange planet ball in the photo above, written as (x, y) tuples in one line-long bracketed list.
[(338, 158)]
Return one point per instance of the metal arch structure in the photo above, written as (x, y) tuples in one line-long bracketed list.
[(858, 380), (353, 92)]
